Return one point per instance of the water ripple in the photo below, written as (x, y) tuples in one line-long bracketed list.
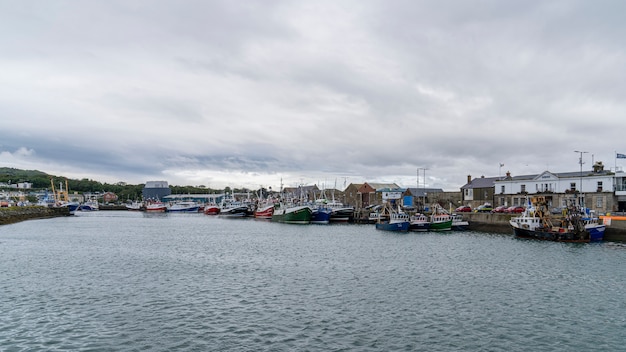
[(118, 281)]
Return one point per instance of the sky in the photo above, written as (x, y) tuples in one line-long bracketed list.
[(245, 94)]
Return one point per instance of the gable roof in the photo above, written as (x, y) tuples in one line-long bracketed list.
[(421, 192), (481, 182), (380, 186)]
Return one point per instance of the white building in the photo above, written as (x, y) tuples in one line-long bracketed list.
[(600, 190)]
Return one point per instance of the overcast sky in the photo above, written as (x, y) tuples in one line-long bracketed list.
[(246, 93)]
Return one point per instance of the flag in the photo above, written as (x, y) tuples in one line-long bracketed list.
[(621, 156)]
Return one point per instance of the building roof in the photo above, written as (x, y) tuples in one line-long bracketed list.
[(379, 186), (421, 192), (481, 182), (487, 182)]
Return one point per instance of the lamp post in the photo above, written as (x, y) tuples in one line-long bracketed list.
[(424, 189), (580, 161)]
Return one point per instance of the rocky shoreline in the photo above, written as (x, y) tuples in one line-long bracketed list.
[(12, 215)]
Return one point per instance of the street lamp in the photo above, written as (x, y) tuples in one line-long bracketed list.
[(580, 161), (424, 190)]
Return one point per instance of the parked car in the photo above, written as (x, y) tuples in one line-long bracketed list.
[(557, 210), (515, 209), (463, 209), (500, 209), (485, 208)]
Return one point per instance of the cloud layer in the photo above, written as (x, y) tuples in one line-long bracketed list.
[(245, 94)]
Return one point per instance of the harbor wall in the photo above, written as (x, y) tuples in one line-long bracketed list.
[(499, 223), (12, 215)]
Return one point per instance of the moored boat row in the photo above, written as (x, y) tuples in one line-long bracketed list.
[(390, 217)]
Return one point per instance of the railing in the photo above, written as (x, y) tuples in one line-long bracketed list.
[(620, 188)]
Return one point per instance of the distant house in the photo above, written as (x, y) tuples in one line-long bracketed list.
[(478, 191), (109, 197), (370, 193), (352, 196), (422, 197), (307, 192)]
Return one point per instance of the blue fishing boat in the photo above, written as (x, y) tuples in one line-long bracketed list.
[(393, 220)]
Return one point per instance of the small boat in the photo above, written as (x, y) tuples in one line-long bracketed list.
[(392, 220), (71, 206), (459, 223), (184, 207), (135, 206), (91, 205), (440, 222), (264, 211), (320, 215), (156, 206), (419, 222), (231, 208), (211, 209)]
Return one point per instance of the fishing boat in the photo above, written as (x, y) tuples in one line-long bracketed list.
[(290, 213), (459, 223), (440, 220), (264, 210), (211, 209), (320, 215), (231, 208), (419, 222), (61, 198), (91, 205), (593, 225), (185, 206), (134, 206), (264, 207), (393, 220), (155, 206), (536, 222)]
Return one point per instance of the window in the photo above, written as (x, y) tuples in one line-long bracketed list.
[(599, 186), (599, 201), (523, 188), (572, 186), (502, 189)]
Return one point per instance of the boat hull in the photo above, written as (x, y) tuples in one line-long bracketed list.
[(441, 225), (554, 236), (264, 213), (238, 212), (342, 215), (211, 210), (419, 226), (320, 216), (394, 227), (293, 215), (193, 209)]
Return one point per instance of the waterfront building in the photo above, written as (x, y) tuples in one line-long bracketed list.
[(597, 189), (371, 193), (156, 190)]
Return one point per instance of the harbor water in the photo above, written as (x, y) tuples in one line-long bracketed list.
[(131, 281)]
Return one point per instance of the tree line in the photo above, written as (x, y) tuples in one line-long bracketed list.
[(42, 181)]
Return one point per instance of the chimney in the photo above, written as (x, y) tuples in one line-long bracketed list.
[(598, 167), (469, 179)]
